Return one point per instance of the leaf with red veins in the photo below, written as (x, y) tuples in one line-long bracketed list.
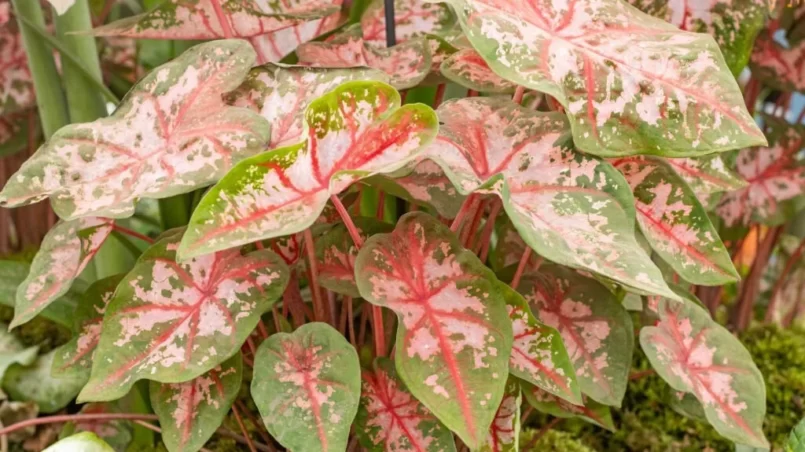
[(538, 353), (64, 253), (307, 387), (74, 359), (572, 208), (591, 411), (335, 253), (425, 184), (504, 433), (355, 131), (16, 84), (191, 411), (281, 94), (707, 175), (172, 321), (468, 69), (198, 20), (772, 175), (595, 328), (674, 222), (391, 419), (788, 306), (274, 46), (694, 354), (412, 19), (630, 83), (777, 66), (172, 134), (406, 64), (454, 339)]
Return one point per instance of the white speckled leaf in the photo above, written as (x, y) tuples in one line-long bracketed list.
[(172, 134), (695, 354), (65, 252), (390, 419), (454, 338), (172, 321), (595, 328), (355, 131), (675, 223), (777, 66), (504, 433), (412, 19), (275, 46), (630, 83), (571, 208), (707, 175), (191, 411), (307, 387), (591, 411), (425, 184), (468, 69), (16, 84)]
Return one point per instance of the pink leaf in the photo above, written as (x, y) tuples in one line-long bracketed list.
[(275, 46), (16, 84), (707, 175), (504, 433), (777, 66), (425, 184), (412, 19), (468, 69)]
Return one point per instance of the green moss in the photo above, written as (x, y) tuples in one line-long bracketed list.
[(39, 331), (552, 440)]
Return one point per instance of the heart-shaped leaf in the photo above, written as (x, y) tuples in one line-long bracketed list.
[(695, 354), (468, 69), (74, 359), (504, 433), (84, 441), (35, 383), (595, 328), (630, 83), (571, 208), (538, 353), (707, 175), (172, 321), (336, 254), (391, 419), (190, 412), (777, 66), (412, 19), (454, 338), (281, 95), (172, 134), (16, 84), (277, 45), (355, 131), (548, 403), (307, 387), (675, 223), (198, 20), (65, 252), (425, 184), (13, 273)]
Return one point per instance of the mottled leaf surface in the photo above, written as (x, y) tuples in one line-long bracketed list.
[(172, 134), (190, 412), (425, 184), (779, 67), (629, 83), (504, 433), (16, 84), (695, 354), (468, 69), (355, 131), (307, 387), (454, 338), (412, 19), (172, 321), (275, 46), (591, 411), (707, 175), (391, 419)]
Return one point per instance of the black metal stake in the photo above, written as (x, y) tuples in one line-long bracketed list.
[(391, 35)]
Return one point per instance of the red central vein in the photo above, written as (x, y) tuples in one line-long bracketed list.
[(308, 385), (381, 386)]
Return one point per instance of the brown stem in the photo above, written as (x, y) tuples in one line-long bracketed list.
[(640, 374), (545, 428), (257, 424), (468, 233), (437, 100), (489, 228), (134, 234), (77, 418), (773, 301), (350, 320), (742, 316), (318, 306), (243, 429), (466, 206)]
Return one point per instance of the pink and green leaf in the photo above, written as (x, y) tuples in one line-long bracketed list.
[(630, 83), (355, 131), (591, 411), (391, 419), (172, 321), (777, 66), (454, 338), (504, 433), (190, 412), (425, 184), (65, 252), (172, 134), (707, 175), (412, 19), (307, 387), (468, 69), (675, 223), (596, 330), (275, 46), (694, 354), (16, 83)]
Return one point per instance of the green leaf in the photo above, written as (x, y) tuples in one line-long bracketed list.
[(454, 337), (35, 383), (504, 433), (356, 130), (83, 442), (591, 411), (307, 387), (191, 411), (13, 273), (796, 441), (707, 175), (12, 351), (172, 321)]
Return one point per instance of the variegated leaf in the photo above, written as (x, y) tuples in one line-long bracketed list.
[(335, 253), (509, 246), (84, 442), (274, 46), (468, 69), (307, 387), (630, 83), (172, 134), (675, 223), (570, 207), (789, 303), (591, 411), (172, 321), (595, 328), (355, 131), (538, 353), (191, 411), (390, 419), (425, 184), (707, 175), (504, 433), (16, 84), (454, 338), (777, 66), (216, 19), (412, 19), (75, 357), (281, 95), (65, 252), (695, 354)]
